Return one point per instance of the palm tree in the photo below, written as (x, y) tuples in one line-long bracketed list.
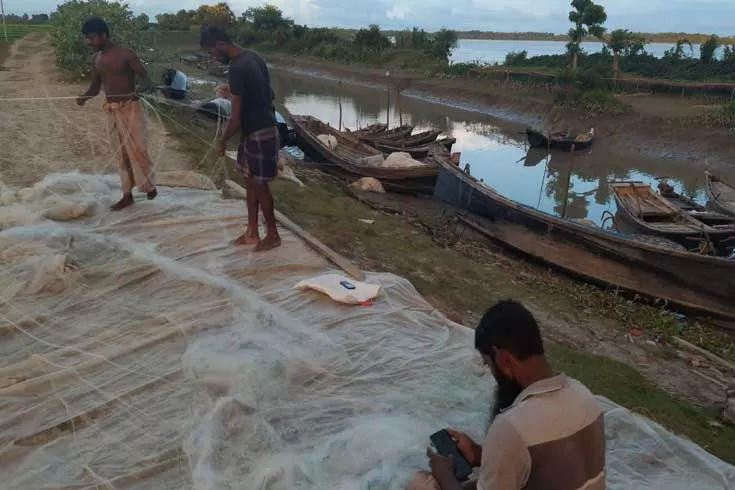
[(620, 41)]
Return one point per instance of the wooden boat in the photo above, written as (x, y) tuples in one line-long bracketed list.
[(653, 214), (378, 132), (354, 158), (694, 209), (560, 140), (721, 194), (406, 141), (417, 152), (695, 282)]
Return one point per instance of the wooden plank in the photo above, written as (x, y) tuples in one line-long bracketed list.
[(337, 259)]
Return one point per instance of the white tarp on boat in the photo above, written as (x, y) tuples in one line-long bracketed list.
[(141, 350)]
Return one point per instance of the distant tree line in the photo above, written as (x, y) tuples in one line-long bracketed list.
[(625, 51), (27, 19), (268, 29), (657, 37)]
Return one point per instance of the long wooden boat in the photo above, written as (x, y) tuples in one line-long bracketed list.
[(417, 152), (693, 282), (408, 140), (721, 194), (355, 158), (379, 131), (560, 140), (694, 209), (653, 214)]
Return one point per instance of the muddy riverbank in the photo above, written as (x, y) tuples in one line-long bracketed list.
[(654, 126)]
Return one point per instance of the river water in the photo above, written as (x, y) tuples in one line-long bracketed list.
[(495, 149), (487, 51)]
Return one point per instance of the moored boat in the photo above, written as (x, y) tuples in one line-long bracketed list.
[(721, 194), (687, 224), (418, 151), (691, 281), (401, 140), (560, 140), (324, 143)]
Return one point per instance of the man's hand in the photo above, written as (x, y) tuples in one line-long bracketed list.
[(442, 468), (467, 447), (221, 148)]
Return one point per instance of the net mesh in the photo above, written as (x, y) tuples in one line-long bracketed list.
[(141, 350)]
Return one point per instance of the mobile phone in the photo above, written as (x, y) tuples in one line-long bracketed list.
[(347, 285), (446, 446)]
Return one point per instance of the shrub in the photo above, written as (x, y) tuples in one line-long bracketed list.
[(594, 102), (72, 52)]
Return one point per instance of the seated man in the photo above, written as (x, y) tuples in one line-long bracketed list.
[(547, 432)]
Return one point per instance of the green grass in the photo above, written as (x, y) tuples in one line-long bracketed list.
[(626, 386), (18, 31)]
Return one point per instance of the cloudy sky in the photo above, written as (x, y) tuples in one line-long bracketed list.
[(706, 16)]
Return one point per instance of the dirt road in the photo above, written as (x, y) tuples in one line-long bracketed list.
[(42, 130)]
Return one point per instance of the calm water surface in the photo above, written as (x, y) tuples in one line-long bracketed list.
[(494, 149), (491, 51)]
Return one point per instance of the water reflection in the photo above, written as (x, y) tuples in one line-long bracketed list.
[(573, 185)]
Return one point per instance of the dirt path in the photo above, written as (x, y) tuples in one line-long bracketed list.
[(44, 132)]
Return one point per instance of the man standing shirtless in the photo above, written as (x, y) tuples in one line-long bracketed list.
[(115, 68), (254, 116)]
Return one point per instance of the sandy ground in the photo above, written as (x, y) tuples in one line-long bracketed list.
[(44, 132)]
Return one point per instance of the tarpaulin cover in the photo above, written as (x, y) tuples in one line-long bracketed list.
[(140, 349)]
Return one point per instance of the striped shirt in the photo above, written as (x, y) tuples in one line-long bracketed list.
[(551, 438)]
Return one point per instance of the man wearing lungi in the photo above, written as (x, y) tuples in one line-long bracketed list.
[(115, 68), (254, 116)]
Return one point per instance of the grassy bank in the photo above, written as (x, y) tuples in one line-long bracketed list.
[(462, 275)]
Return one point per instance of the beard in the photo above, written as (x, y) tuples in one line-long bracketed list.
[(223, 58), (506, 392)]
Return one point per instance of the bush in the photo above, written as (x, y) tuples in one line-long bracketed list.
[(516, 58), (72, 52), (594, 102)]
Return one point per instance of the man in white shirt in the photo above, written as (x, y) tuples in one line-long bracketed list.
[(547, 431)]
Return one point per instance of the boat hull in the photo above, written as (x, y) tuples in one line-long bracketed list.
[(415, 179), (539, 140), (715, 189), (690, 281)]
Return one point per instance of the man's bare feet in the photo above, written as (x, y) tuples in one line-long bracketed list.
[(268, 243), (247, 238), (127, 200), (152, 194)]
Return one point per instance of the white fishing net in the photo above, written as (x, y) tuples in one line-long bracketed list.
[(141, 350)]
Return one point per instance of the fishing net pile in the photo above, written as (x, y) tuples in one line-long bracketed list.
[(141, 350)]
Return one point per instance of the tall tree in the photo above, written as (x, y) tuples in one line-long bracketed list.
[(588, 19), (708, 48), (619, 41)]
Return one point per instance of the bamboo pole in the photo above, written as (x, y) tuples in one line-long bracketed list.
[(340, 105), (2, 11), (387, 95), (310, 240), (715, 359)]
